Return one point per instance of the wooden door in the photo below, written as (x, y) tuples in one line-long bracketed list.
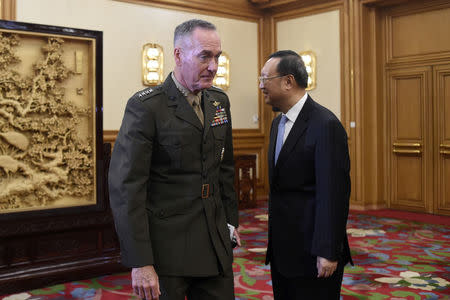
[(410, 106), (442, 138)]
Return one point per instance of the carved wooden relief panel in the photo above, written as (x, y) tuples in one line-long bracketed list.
[(47, 118)]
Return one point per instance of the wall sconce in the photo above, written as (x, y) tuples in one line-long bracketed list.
[(309, 58), (152, 64), (222, 79)]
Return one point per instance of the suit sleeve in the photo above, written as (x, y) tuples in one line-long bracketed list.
[(332, 167), (226, 176), (128, 180)]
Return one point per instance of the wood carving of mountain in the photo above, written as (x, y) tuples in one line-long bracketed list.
[(44, 161)]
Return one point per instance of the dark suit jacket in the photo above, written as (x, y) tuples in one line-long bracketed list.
[(309, 193), (162, 157)]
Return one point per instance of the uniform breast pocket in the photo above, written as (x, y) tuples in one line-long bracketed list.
[(219, 141), (170, 151)]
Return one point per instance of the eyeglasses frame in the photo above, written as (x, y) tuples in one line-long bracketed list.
[(263, 79)]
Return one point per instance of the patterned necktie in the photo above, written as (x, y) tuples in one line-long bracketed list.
[(280, 136), (196, 106)]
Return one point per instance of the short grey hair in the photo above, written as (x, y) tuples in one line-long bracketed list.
[(186, 28)]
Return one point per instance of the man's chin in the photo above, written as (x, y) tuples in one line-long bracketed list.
[(275, 109), (268, 102), (206, 84)]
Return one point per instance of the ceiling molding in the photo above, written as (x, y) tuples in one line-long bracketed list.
[(259, 1), (264, 4), (239, 9)]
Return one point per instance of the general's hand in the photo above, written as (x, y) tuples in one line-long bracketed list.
[(145, 283), (325, 267), (238, 238)]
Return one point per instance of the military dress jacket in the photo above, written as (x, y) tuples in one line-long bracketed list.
[(171, 183)]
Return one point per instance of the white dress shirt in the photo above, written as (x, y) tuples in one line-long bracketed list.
[(292, 115)]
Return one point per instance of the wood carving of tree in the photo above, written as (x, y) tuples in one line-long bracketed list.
[(42, 158)]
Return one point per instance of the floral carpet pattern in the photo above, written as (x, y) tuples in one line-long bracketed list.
[(394, 259)]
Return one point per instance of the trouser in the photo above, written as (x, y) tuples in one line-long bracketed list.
[(220, 287), (306, 287)]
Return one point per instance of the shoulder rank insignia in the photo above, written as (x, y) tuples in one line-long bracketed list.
[(145, 92)]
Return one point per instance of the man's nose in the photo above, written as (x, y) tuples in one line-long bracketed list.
[(213, 65), (261, 85)]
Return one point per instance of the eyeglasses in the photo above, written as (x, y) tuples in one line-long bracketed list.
[(263, 79)]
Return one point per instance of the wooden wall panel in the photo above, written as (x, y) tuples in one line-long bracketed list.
[(419, 25), (410, 98), (8, 9), (418, 32), (443, 205), (408, 186), (408, 103), (442, 138)]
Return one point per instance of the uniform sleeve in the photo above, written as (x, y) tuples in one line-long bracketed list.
[(226, 176), (332, 167), (128, 181)]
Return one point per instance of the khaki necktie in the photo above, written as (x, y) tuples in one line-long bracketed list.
[(195, 100)]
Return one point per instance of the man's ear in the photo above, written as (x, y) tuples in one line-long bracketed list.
[(290, 81), (177, 55)]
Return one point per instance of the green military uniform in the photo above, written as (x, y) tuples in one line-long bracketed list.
[(171, 183)]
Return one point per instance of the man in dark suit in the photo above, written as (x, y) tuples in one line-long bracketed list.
[(171, 178), (309, 186)]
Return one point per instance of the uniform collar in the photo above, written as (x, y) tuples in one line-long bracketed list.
[(184, 91)]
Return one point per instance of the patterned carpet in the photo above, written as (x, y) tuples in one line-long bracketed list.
[(394, 259)]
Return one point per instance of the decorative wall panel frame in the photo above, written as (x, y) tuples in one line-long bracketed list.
[(50, 119), (48, 245)]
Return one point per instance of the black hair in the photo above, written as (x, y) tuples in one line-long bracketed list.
[(291, 63)]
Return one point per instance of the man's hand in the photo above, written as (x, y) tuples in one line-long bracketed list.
[(145, 283), (236, 235), (325, 267)]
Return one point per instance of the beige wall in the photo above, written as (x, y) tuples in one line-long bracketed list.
[(320, 34), (127, 27)]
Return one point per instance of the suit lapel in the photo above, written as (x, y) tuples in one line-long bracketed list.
[(272, 142), (183, 110), (296, 132)]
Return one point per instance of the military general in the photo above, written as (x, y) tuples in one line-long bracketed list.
[(171, 178)]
